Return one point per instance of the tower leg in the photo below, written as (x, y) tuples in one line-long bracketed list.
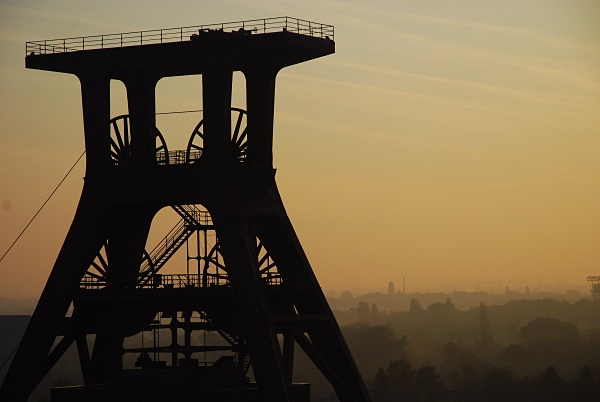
[(260, 88), (324, 344), (81, 245), (141, 102), (128, 228), (239, 251)]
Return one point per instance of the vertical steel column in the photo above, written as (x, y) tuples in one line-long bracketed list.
[(216, 99), (173, 326), (238, 245), (260, 100), (95, 99), (128, 226), (142, 115)]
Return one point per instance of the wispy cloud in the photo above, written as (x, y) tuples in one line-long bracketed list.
[(538, 77), (39, 19), (370, 15), (391, 93), (474, 85), (563, 69), (535, 105)]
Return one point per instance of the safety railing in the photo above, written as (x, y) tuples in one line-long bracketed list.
[(161, 281), (181, 34), (181, 280), (178, 281), (91, 282), (178, 157), (271, 279), (193, 215)]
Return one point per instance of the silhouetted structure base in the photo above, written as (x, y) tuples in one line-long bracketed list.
[(140, 393)]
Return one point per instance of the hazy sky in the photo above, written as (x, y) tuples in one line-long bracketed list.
[(453, 143)]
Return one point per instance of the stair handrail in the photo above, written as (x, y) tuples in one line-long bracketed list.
[(161, 249)]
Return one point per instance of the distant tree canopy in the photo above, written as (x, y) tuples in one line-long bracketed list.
[(549, 329), (515, 352), (401, 383), (346, 295), (374, 346), (415, 306)]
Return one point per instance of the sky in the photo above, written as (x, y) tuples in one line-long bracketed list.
[(451, 143)]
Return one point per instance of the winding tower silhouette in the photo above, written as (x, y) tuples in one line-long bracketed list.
[(253, 285)]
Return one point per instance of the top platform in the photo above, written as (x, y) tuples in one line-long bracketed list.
[(277, 42), (182, 34)]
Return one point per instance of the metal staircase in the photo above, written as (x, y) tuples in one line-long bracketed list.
[(193, 219)]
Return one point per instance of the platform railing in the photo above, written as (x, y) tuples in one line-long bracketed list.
[(178, 157), (176, 281), (181, 280), (90, 282), (181, 34)]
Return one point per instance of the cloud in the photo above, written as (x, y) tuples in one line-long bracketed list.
[(28, 21), (564, 69), (378, 13), (452, 101), (474, 85)]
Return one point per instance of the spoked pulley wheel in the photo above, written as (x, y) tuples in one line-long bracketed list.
[(239, 137), (97, 274), (120, 142)]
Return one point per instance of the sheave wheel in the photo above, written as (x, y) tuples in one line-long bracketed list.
[(239, 137), (120, 142)]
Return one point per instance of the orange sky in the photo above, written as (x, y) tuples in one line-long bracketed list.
[(452, 143)]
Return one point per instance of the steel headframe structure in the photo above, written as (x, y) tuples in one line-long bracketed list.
[(254, 285)]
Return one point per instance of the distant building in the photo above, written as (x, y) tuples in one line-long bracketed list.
[(594, 281), (391, 289)]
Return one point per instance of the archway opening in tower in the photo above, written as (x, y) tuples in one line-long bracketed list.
[(183, 263)]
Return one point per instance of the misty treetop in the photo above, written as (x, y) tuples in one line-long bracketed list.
[(524, 350)]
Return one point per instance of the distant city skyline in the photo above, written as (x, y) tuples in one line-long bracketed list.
[(492, 287)]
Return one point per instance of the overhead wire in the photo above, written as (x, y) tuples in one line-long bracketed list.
[(180, 111), (43, 205), (9, 356)]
